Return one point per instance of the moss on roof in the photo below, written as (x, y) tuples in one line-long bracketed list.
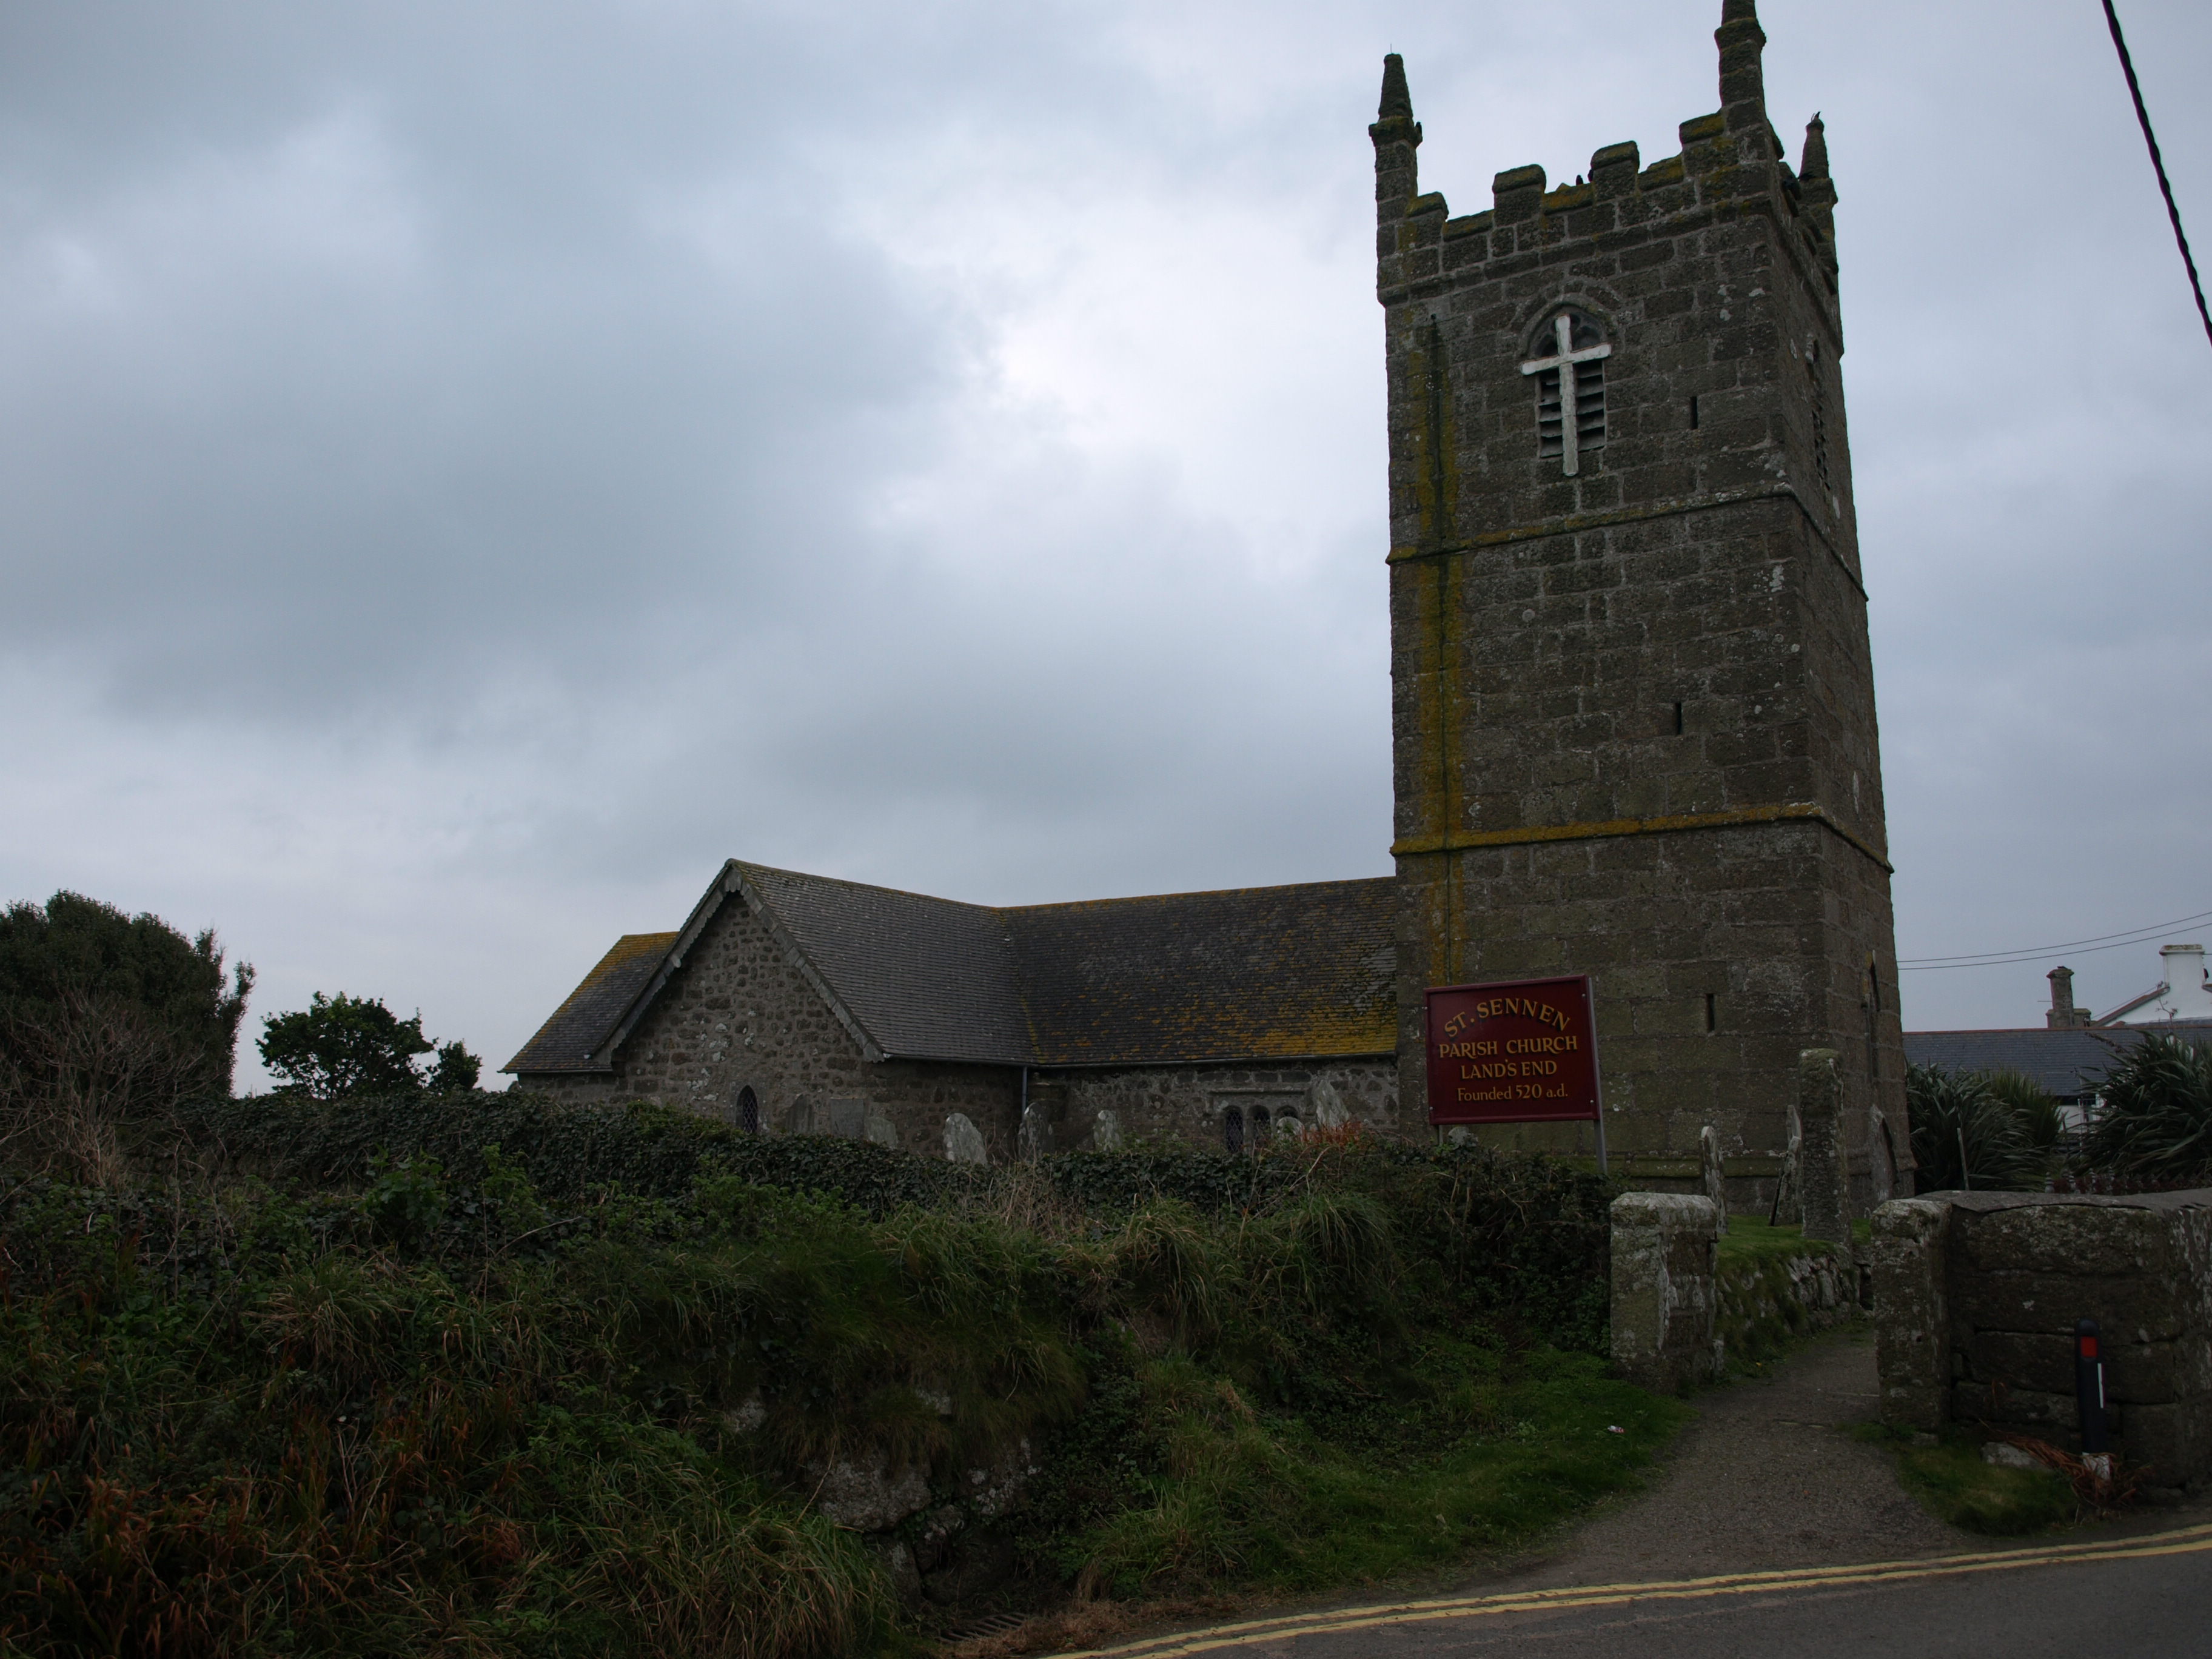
[(568, 1040), (1301, 971)]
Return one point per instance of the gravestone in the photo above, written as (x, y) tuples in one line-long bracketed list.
[(963, 1141), (1789, 1190), (1820, 1146), (879, 1127), (1708, 1154), (1034, 1140), (848, 1119), (1328, 1106), (1881, 1158), (1106, 1132)]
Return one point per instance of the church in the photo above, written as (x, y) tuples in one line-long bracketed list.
[(1632, 730)]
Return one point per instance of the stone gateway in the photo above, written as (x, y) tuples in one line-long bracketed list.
[(1633, 737)]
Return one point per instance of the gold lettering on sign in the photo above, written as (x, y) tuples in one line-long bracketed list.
[(1503, 1007)]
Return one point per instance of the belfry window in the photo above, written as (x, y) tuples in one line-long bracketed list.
[(1567, 362)]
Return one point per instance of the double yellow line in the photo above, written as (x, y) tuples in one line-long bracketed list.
[(2185, 1541)]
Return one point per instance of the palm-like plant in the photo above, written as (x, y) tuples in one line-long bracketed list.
[(2034, 1108), (1965, 1135), (2155, 1121)]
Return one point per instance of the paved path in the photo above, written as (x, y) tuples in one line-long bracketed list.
[(1766, 1477), (1755, 1538)]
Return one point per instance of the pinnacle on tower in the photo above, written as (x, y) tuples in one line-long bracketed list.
[(1396, 135), (1814, 164), (1818, 192), (1743, 82), (1397, 102)]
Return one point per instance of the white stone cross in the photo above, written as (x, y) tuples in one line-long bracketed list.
[(1563, 331)]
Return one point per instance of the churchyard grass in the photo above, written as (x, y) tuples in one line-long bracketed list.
[(1954, 1482), (347, 1392)]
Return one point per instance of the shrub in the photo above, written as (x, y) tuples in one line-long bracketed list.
[(495, 1376), (1965, 1135), (2154, 1119), (108, 1023)]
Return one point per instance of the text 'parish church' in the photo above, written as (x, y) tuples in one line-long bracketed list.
[(1633, 735)]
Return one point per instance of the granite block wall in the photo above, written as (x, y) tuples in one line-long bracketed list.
[(1633, 709), (1976, 1299)]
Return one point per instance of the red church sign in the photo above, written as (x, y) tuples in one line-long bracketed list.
[(1524, 1052)]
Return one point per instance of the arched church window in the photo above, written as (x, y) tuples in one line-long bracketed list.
[(747, 1111), (1232, 1130), (1567, 362), (1259, 1127)]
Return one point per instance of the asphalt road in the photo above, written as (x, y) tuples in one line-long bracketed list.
[(1753, 1539), (2137, 1595)]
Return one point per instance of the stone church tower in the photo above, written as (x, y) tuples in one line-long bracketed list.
[(1633, 712)]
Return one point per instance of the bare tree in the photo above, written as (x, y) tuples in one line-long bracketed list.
[(87, 1081)]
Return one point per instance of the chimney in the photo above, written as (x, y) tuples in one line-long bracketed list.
[(2186, 993), (2064, 1013)]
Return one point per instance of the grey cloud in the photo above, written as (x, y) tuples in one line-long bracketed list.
[(465, 469)]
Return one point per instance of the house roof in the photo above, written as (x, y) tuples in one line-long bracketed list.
[(922, 978), (1299, 972), (564, 1042), (2068, 1060), (1263, 973)]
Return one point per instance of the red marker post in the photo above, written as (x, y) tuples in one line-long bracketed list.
[(2090, 1388), (1520, 1051)]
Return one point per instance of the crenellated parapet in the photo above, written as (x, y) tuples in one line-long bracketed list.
[(1731, 162)]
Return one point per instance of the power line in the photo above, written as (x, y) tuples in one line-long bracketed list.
[(2097, 942), (2142, 115)]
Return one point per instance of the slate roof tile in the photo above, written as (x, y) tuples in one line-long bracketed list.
[(1305, 970), (1251, 972), (566, 1040), (2067, 1061)]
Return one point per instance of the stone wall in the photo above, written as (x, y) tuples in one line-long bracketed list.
[(1188, 1102), (1633, 708), (1764, 1302), (738, 1014), (1976, 1298)]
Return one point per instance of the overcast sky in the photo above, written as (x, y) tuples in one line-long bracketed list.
[(467, 469)]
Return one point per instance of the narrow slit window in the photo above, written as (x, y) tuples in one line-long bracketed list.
[(1567, 362), (1712, 1013), (1820, 400), (1232, 1130), (1693, 411), (1678, 720)]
